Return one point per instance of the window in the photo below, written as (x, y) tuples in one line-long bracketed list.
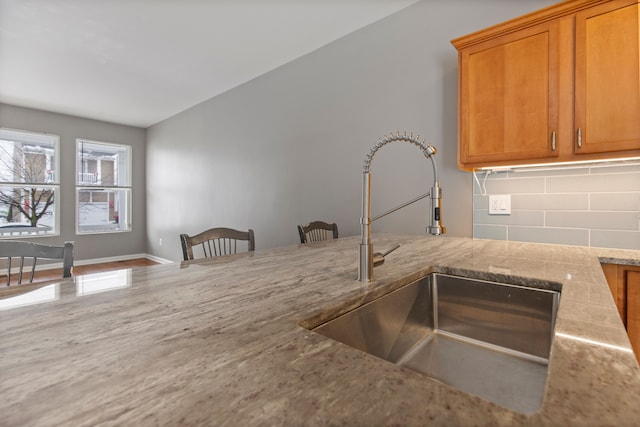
[(103, 187), (29, 183)]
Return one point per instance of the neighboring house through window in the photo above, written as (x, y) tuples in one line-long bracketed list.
[(103, 187), (29, 183)]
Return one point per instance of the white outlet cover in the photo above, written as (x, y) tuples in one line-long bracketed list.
[(500, 204)]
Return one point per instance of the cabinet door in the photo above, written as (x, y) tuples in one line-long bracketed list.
[(624, 282), (607, 91), (508, 97), (615, 279), (633, 309)]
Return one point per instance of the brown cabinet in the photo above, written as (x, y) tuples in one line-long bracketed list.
[(624, 282), (560, 84), (607, 89), (509, 97)]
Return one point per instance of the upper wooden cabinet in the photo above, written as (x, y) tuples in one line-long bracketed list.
[(607, 91), (509, 97), (560, 84)]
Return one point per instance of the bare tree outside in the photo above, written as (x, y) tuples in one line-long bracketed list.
[(25, 170), (31, 202)]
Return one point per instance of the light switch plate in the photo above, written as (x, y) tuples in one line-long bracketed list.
[(500, 204)]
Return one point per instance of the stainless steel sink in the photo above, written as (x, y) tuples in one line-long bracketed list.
[(485, 338)]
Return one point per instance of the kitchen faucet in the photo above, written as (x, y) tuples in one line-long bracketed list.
[(365, 255)]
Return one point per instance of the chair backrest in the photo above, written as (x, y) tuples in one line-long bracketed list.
[(11, 249), (317, 231), (216, 242)]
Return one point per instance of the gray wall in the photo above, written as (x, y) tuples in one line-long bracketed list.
[(68, 128), (585, 206), (287, 147)]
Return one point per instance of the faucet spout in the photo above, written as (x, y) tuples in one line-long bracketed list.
[(365, 249)]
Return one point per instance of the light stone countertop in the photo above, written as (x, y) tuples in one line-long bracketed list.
[(219, 342)]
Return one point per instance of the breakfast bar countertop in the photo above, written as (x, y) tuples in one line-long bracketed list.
[(220, 342)]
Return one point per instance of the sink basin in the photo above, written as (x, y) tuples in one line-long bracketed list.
[(485, 338)]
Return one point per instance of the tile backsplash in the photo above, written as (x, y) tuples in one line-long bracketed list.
[(595, 205)]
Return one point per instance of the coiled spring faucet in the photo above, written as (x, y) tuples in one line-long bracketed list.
[(435, 227)]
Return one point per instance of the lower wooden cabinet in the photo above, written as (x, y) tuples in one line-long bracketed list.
[(624, 282)]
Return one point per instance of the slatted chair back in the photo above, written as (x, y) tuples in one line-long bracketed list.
[(317, 231), (18, 250), (216, 242)]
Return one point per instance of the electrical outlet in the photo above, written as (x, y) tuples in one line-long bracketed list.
[(500, 204)]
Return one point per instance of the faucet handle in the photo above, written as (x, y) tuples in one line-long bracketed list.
[(378, 257)]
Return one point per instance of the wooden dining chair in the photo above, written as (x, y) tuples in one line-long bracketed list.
[(317, 231), (216, 242), (12, 249)]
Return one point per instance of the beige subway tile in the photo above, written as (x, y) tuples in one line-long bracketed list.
[(604, 183), (550, 201), (494, 232), (615, 239), (615, 202), (593, 220), (558, 236)]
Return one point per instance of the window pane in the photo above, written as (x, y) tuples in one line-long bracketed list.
[(27, 157), (28, 183), (105, 165), (27, 210), (103, 210), (102, 164)]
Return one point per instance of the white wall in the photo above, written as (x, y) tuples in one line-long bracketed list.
[(288, 147), (69, 128)]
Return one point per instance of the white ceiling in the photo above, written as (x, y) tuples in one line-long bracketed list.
[(138, 62)]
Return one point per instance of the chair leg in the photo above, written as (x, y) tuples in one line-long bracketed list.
[(33, 269), (8, 271), (20, 273)]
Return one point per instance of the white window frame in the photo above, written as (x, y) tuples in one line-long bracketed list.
[(125, 188), (6, 134)]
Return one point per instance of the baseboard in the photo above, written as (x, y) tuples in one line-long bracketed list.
[(108, 259), (158, 259)]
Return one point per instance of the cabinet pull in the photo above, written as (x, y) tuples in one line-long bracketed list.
[(553, 141), (579, 137)]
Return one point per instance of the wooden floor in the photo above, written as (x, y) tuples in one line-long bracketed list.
[(53, 274), (108, 266)]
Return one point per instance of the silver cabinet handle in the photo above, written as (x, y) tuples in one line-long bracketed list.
[(553, 141), (579, 137)]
